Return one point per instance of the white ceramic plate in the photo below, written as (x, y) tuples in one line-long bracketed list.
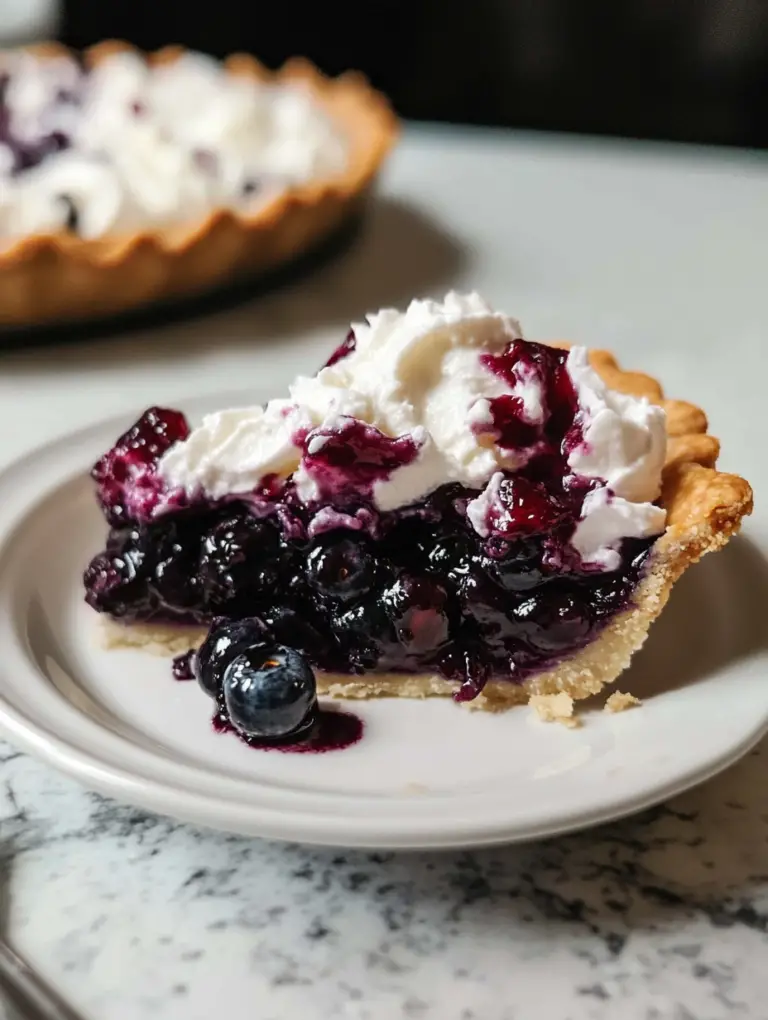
[(426, 774)]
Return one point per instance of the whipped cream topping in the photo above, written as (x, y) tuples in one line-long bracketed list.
[(126, 145), (426, 374), (624, 445), (417, 373)]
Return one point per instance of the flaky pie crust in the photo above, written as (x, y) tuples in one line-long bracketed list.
[(57, 277), (705, 507)]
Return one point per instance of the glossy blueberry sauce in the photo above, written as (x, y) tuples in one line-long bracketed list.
[(344, 462), (128, 485), (181, 667)]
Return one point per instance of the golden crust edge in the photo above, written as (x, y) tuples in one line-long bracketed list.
[(55, 276)]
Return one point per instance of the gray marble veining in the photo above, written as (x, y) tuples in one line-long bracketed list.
[(664, 915)]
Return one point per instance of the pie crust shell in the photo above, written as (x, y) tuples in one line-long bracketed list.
[(705, 507), (51, 278)]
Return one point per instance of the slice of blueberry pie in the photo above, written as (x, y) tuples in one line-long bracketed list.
[(126, 179), (444, 508)]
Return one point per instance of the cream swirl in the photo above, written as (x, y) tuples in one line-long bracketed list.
[(128, 145), (424, 374)]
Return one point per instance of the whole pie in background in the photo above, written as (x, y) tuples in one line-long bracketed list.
[(127, 179)]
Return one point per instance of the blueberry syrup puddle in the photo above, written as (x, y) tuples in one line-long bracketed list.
[(287, 587), (334, 730), (326, 730)]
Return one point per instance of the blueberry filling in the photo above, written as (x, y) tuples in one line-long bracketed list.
[(27, 153), (238, 561), (352, 604), (412, 590)]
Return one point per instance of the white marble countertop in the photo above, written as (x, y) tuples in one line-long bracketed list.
[(662, 916)]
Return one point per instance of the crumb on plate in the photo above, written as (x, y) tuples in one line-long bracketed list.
[(620, 702), (555, 708)]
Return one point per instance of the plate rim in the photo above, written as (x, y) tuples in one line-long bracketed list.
[(151, 795)]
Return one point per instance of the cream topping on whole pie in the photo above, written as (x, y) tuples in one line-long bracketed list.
[(126, 145)]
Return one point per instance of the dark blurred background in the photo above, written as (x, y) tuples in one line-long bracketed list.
[(693, 70)]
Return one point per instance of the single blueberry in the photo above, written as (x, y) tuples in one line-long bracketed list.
[(238, 560), (270, 693), (226, 639), (115, 582), (174, 580), (364, 634), (418, 608), (342, 568)]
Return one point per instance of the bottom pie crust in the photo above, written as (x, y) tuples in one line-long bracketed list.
[(704, 509)]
